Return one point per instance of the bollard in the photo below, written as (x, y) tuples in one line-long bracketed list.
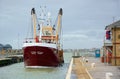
[(83, 58), (92, 65), (109, 75), (86, 60)]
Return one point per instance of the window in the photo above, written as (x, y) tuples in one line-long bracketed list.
[(119, 36)]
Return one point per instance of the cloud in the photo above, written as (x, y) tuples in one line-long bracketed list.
[(83, 38), (88, 33), (83, 20), (74, 36)]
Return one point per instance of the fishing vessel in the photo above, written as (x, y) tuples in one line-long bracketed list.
[(45, 48)]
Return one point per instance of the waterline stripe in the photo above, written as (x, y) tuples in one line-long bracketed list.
[(38, 67)]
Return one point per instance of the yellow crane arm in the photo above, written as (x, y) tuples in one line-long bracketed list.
[(34, 22), (58, 30)]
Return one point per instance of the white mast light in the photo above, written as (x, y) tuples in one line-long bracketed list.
[(49, 14)]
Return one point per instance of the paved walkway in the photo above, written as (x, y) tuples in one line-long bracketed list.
[(100, 69), (79, 69)]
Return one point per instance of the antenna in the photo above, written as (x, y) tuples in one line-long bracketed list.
[(113, 19), (43, 13), (18, 40), (49, 14)]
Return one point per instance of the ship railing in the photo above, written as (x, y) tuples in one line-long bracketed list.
[(29, 40), (43, 40)]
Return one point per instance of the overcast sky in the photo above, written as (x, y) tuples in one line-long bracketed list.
[(83, 20)]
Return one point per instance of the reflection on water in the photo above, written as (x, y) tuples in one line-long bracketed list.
[(46, 70), (17, 71)]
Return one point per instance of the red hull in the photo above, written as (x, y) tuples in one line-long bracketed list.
[(40, 56)]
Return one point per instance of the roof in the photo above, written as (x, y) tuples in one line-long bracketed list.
[(113, 25)]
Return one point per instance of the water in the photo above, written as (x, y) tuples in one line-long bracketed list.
[(17, 71)]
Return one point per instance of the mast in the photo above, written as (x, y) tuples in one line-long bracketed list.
[(59, 21), (34, 23), (58, 30), (42, 20)]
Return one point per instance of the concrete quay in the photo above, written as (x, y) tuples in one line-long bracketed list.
[(11, 56), (92, 68), (11, 60), (100, 70)]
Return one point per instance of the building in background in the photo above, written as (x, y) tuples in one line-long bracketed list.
[(5, 47), (111, 46)]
